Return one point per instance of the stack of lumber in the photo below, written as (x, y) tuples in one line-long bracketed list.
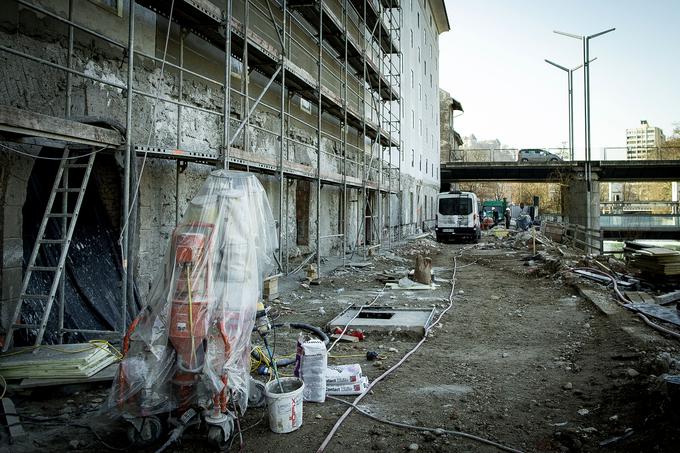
[(657, 261), (66, 361)]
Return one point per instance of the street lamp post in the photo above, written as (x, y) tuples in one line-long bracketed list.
[(570, 90), (585, 42)]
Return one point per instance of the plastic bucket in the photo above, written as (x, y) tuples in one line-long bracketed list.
[(285, 408)]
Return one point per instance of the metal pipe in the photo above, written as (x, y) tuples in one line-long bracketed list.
[(245, 86), (282, 141), (127, 274), (226, 108), (64, 68), (69, 60), (171, 101), (252, 108), (344, 143), (318, 154)]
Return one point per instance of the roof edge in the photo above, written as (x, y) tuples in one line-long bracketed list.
[(441, 16)]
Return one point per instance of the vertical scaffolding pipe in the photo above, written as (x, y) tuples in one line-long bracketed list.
[(69, 59), (282, 138), (227, 84), (244, 78), (127, 273), (364, 176), (178, 143), (318, 154), (400, 196), (344, 144)]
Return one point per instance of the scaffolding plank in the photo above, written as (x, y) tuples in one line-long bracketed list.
[(32, 124)]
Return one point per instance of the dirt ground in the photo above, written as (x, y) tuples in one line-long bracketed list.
[(519, 359)]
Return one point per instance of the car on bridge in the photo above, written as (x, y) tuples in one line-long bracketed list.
[(537, 155)]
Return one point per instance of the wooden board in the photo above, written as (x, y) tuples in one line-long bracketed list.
[(348, 338), (105, 375), (59, 361), (640, 297), (32, 124)]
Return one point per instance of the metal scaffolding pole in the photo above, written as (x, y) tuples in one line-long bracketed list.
[(244, 77), (226, 142), (318, 153), (344, 143), (178, 141), (69, 61), (282, 138), (127, 274)]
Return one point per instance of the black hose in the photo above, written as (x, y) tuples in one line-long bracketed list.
[(308, 327)]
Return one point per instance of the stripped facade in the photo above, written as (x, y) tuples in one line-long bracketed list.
[(319, 102)]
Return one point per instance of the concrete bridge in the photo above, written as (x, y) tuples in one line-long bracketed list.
[(577, 199), (604, 171)]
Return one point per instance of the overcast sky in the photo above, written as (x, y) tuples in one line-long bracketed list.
[(492, 62)]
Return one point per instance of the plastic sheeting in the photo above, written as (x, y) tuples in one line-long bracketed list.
[(193, 336)]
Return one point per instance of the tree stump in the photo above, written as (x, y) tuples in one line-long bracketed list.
[(423, 270)]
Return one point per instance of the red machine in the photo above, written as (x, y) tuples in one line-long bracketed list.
[(186, 356)]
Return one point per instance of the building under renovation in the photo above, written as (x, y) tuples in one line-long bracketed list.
[(113, 112)]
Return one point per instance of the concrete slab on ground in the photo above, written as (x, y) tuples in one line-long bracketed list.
[(384, 319), (602, 301)]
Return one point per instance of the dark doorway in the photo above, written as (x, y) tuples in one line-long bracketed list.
[(302, 212), (93, 264)]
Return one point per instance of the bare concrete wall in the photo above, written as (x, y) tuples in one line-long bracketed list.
[(35, 87)]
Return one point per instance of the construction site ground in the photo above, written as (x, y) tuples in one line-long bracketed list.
[(520, 359)]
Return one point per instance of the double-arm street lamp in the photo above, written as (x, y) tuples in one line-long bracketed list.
[(585, 41), (570, 90)]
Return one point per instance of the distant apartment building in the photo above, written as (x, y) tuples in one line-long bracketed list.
[(643, 140)]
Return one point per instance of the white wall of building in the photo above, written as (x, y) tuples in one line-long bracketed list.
[(420, 121)]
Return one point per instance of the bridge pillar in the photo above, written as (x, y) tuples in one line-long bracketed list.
[(575, 203)]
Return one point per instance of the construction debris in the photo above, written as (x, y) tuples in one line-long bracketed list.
[(67, 361), (654, 261)]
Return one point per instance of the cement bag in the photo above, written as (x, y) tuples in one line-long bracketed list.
[(310, 366), (343, 374), (356, 388)]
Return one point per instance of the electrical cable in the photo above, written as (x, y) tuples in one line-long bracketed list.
[(52, 158), (425, 428), (342, 418), (621, 299)]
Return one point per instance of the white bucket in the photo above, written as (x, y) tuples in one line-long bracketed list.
[(285, 409)]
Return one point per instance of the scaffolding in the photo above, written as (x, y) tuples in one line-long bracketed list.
[(341, 56)]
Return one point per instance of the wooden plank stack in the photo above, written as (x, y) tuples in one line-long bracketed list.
[(656, 261), (66, 361)]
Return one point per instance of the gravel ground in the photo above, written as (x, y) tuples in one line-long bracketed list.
[(519, 359)]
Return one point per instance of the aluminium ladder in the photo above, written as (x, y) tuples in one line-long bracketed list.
[(63, 184)]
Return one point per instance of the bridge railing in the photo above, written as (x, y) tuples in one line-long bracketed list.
[(496, 154), (664, 152), (578, 236)]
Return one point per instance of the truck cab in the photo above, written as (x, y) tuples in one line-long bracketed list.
[(458, 216)]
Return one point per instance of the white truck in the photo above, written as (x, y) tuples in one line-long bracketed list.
[(458, 216)]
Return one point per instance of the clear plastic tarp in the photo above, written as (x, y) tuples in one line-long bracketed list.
[(190, 345)]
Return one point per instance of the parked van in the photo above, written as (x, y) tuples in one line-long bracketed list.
[(458, 216)]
